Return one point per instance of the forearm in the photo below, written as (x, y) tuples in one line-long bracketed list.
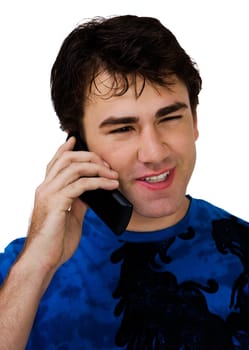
[(54, 235), (19, 299)]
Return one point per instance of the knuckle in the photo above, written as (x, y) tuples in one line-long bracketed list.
[(40, 192)]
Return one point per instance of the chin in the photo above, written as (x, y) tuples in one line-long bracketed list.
[(165, 207), (157, 211)]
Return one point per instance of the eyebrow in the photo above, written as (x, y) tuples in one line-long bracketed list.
[(171, 109), (112, 120)]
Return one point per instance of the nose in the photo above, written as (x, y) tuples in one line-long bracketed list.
[(152, 148)]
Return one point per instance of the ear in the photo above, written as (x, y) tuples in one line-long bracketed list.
[(195, 125)]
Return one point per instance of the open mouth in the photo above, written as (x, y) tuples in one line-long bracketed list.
[(157, 178)]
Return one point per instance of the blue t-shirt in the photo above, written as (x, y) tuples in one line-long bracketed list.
[(182, 288)]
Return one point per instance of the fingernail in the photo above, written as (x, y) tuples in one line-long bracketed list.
[(116, 182)]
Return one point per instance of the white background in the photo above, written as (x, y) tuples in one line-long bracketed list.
[(214, 33)]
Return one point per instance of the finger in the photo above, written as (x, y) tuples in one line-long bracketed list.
[(75, 189), (61, 199), (67, 146), (83, 170), (67, 158)]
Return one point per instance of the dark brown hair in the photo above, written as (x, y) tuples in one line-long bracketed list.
[(126, 47)]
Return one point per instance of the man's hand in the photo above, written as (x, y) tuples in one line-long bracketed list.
[(56, 223)]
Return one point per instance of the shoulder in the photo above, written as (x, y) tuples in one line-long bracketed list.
[(223, 225), (204, 208)]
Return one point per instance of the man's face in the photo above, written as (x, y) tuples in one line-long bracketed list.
[(150, 142)]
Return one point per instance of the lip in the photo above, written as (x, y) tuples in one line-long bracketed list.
[(157, 185), (155, 174)]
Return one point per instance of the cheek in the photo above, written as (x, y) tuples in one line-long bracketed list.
[(119, 157), (184, 148), (120, 161), (186, 139)]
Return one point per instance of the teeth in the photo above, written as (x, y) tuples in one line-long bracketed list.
[(158, 178)]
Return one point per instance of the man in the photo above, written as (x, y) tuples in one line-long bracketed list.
[(177, 277)]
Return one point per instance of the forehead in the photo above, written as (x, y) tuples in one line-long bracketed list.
[(106, 85), (107, 88)]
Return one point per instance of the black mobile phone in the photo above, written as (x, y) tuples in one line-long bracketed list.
[(111, 206)]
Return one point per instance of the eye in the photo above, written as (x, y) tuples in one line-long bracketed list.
[(123, 129), (170, 118)]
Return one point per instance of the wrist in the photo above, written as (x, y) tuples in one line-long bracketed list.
[(33, 272)]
